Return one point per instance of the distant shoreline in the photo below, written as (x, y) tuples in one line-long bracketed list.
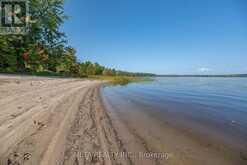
[(227, 75), (179, 122)]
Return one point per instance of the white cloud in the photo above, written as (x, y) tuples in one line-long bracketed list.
[(203, 69)]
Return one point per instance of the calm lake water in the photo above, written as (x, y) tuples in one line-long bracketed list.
[(210, 105)]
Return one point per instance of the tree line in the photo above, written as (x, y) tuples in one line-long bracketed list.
[(44, 48)]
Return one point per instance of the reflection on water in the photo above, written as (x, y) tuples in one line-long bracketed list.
[(217, 104)]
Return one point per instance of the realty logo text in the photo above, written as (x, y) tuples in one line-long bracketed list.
[(14, 16)]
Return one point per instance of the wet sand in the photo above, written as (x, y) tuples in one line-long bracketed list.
[(46, 121)]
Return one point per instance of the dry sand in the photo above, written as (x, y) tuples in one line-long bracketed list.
[(45, 121), (48, 121)]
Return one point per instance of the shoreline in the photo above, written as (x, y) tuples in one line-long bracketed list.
[(69, 121), (56, 121), (185, 145)]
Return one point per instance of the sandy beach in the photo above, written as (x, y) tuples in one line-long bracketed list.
[(53, 121), (58, 121)]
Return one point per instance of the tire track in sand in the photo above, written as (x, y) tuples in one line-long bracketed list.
[(40, 137), (92, 139)]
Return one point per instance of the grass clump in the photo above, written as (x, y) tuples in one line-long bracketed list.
[(121, 80)]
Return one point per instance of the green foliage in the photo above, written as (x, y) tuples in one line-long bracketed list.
[(122, 80), (44, 51), (109, 72), (91, 70), (98, 69), (41, 42)]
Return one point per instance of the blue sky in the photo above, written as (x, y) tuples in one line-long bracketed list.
[(160, 36)]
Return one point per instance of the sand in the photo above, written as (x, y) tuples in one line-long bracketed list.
[(48, 121), (58, 121)]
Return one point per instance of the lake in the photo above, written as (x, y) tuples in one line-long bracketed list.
[(212, 108)]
